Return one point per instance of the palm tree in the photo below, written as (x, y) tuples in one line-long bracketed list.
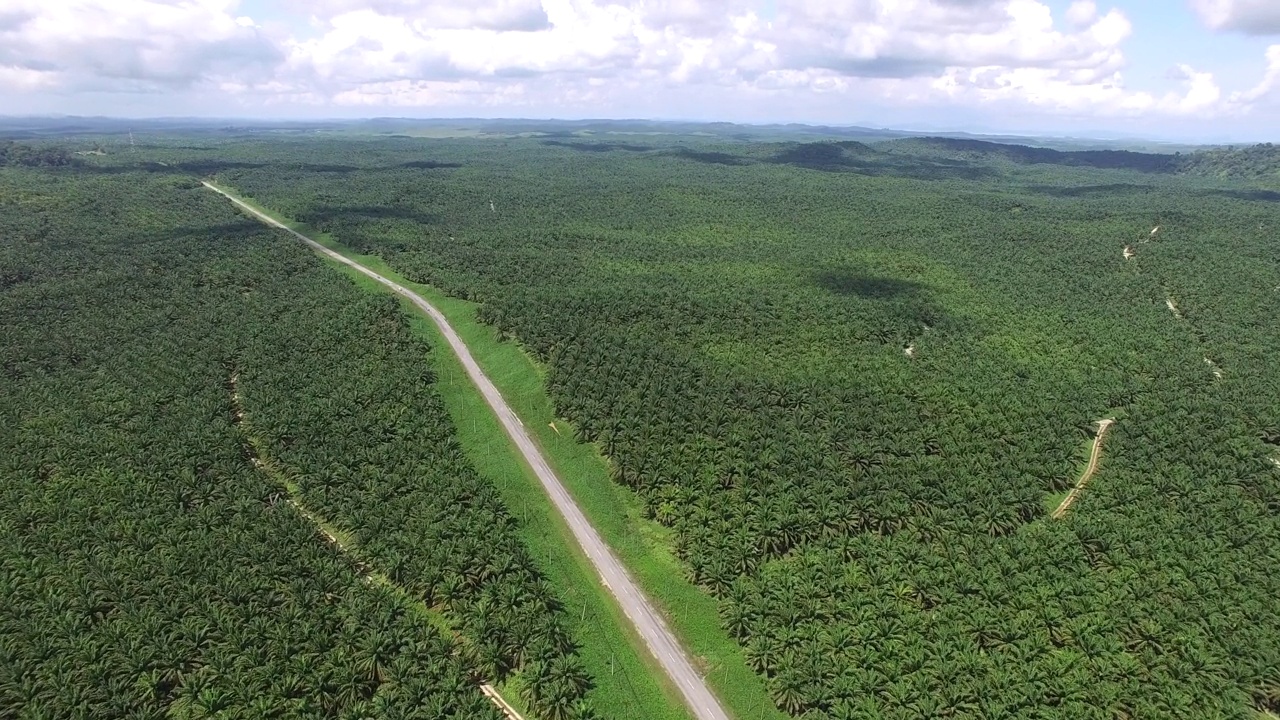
[(787, 690)]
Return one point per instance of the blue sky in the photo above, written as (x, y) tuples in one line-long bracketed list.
[(1166, 33), (1176, 69)]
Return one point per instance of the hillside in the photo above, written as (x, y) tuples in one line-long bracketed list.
[(836, 390), (727, 324)]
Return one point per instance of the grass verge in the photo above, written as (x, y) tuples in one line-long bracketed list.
[(612, 652), (629, 683)]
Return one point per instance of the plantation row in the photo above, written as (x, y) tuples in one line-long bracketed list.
[(152, 569), (730, 324)]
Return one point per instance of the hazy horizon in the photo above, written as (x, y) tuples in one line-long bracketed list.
[(1191, 70), (1101, 135)]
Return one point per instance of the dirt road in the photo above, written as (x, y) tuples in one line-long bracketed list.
[(503, 705), (648, 623), (1089, 470)]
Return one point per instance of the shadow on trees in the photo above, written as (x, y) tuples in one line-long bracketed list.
[(150, 167), (1254, 195), (848, 282), (597, 147), (233, 228), (1079, 191), (13, 277), (326, 168), (428, 165), (708, 157), (1114, 189), (851, 156), (825, 156), (208, 167), (1026, 155), (326, 216)]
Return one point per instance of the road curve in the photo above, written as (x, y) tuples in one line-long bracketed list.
[(1094, 455), (648, 623)]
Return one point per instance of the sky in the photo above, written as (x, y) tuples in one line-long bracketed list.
[(1199, 70)]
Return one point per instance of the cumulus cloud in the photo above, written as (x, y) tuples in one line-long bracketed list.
[(1068, 92), (1256, 17), (921, 37), (1201, 92), (1269, 85), (1082, 12), (367, 46), (127, 44), (591, 53), (501, 15), (726, 43), (694, 17)]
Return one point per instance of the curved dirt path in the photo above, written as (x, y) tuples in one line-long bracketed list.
[(1089, 470), (648, 623)]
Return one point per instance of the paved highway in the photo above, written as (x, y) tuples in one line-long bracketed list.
[(648, 623)]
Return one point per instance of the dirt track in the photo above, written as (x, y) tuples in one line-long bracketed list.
[(646, 619), (1089, 470)]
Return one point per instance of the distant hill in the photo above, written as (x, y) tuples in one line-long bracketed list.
[(1258, 162), (965, 149), (33, 127), (829, 148)]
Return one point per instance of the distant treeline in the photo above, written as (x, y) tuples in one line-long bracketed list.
[(12, 153), (1255, 162)]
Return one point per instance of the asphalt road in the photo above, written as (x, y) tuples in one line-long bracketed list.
[(648, 623)]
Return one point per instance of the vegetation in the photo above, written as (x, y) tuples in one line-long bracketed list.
[(1259, 162), (629, 683), (728, 322), (184, 394), (29, 155)]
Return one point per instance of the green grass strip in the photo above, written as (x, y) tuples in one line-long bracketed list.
[(630, 684)]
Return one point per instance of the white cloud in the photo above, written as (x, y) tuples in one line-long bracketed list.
[(1069, 92), (692, 17), (127, 44), (25, 78), (1081, 13), (598, 54), (924, 37), (725, 43), (501, 15), (1269, 85), (1256, 17), (366, 46), (1201, 95)]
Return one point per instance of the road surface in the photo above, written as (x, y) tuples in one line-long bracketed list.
[(648, 623), (1089, 470), (503, 705)]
